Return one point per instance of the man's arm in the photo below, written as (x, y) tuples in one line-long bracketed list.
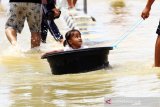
[(145, 13), (149, 3)]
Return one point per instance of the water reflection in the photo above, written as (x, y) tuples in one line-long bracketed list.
[(25, 64), (62, 90), (120, 10), (1, 8), (5, 98), (118, 6)]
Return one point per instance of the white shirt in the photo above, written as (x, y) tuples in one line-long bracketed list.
[(68, 48)]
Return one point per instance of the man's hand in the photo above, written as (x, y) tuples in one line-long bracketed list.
[(145, 13)]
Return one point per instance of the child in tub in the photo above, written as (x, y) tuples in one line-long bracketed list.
[(73, 40)]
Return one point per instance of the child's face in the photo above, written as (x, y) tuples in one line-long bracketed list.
[(75, 40)]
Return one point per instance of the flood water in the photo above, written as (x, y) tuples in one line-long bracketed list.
[(26, 79)]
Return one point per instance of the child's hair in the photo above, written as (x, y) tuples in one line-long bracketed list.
[(68, 36)]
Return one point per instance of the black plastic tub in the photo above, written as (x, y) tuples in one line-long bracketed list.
[(78, 61)]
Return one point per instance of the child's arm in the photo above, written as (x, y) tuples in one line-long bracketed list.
[(146, 11)]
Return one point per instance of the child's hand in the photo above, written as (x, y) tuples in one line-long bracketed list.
[(61, 41)]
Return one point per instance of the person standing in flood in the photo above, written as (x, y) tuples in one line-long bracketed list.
[(21, 10), (145, 14), (49, 14)]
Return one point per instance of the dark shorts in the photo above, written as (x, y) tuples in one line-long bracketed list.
[(158, 29)]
